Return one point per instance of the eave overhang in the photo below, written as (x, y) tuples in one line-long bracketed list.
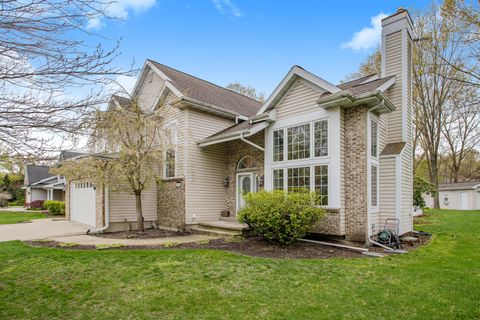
[(234, 135), (375, 99)]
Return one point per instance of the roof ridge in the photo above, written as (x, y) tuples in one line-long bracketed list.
[(364, 77), (209, 82)]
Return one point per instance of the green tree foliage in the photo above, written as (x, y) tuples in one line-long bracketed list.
[(420, 187), (248, 91)]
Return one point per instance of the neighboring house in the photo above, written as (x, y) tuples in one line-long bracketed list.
[(351, 142), (39, 184), (458, 196)]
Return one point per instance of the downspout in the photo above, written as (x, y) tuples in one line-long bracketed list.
[(251, 143)]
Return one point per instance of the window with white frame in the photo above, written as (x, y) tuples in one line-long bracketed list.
[(278, 145), (170, 151), (321, 138), (373, 138), (374, 186), (278, 179), (321, 184), (298, 178), (298, 142)]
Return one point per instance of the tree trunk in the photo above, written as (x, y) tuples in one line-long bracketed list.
[(138, 207), (433, 172)]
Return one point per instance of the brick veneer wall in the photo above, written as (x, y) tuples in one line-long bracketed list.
[(236, 150), (356, 206), (171, 204), (330, 224)]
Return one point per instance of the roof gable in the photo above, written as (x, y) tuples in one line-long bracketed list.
[(295, 73), (36, 173)]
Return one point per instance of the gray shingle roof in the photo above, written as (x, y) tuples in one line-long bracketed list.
[(458, 185), (37, 173), (236, 127), (393, 148), (68, 154), (356, 87), (122, 101), (210, 93)]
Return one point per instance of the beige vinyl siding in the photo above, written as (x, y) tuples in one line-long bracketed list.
[(300, 99), (150, 91), (175, 115), (393, 66), (122, 205), (342, 171), (387, 189), (205, 193)]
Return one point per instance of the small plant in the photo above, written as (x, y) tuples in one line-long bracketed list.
[(204, 242), (168, 244), (281, 217), (108, 246), (234, 239), (55, 207), (36, 205), (67, 244)]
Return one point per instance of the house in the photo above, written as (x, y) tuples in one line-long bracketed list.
[(39, 184), (457, 196), (351, 142)]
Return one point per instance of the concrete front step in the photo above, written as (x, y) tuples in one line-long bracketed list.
[(216, 232), (221, 227), (232, 219)]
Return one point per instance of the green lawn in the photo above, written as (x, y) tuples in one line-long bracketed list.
[(438, 281), (8, 217)]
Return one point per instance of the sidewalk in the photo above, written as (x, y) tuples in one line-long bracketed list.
[(95, 241)]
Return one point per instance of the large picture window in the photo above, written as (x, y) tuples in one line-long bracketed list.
[(321, 138), (298, 178), (278, 145), (278, 179), (298, 142), (321, 183)]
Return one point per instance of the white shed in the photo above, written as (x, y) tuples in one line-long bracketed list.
[(457, 196)]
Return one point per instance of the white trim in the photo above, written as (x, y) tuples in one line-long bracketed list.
[(233, 135), (166, 78), (370, 79), (291, 76), (386, 85), (237, 184)]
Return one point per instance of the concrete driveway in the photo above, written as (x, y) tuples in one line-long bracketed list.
[(41, 229)]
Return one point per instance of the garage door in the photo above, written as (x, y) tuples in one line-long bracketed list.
[(82, 203)]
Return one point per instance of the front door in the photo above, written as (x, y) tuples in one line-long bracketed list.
[(245, 184), (463, 200)]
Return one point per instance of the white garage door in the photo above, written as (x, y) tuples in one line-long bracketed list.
[(82, 203)]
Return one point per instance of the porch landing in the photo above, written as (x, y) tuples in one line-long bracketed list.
[(222, 227)]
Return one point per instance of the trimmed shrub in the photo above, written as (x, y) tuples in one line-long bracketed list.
[(55, 207), (37, 204), (281, 217)]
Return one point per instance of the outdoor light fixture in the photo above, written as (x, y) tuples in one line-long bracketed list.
[(226, 182)]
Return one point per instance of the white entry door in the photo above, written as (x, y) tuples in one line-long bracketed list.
[(245, 184), (463, 201), (82, 203)]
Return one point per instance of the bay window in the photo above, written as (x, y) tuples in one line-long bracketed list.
[(321, 183), (278, 145), (278, 179), (298, 142), (321, 138)]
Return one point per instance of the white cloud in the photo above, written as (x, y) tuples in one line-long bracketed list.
[(368, 37), (228, 7), (126, 82), (120, 9)]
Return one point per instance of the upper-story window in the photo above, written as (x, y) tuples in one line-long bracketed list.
[(373, 138), (321, 138), (278, 145), (170, 140), (302, 142), (298, 142)]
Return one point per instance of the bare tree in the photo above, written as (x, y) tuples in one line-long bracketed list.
[(132, 141), (44, 66), (433, 86), (461, 127), (248, 91), (465, 18), (371, 65)]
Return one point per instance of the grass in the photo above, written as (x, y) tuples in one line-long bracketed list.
[(8, 217), (438, 281)]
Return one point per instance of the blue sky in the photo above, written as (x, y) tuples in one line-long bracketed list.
[(254, 42)]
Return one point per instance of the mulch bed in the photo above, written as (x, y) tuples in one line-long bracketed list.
[(147, 234), (251, 246)]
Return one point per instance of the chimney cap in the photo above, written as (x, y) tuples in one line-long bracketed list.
[(400, 9)]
